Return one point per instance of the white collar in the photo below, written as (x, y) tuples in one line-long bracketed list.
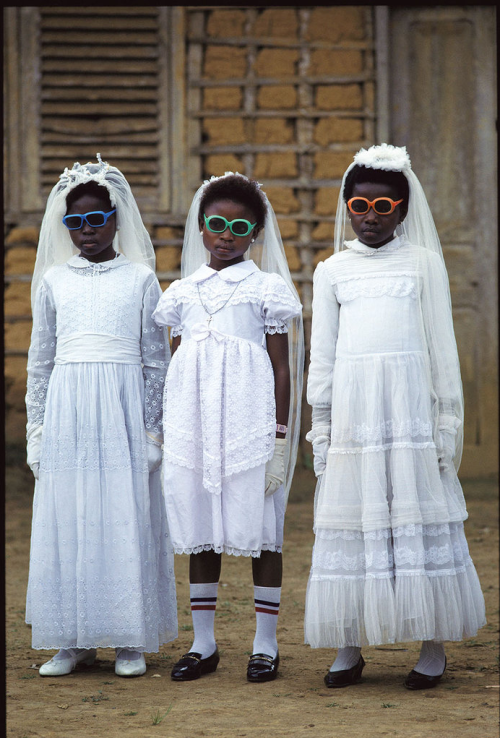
[(362, 248), (234, 273), (80, 262)]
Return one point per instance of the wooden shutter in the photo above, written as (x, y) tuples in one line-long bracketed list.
[(99, 88)]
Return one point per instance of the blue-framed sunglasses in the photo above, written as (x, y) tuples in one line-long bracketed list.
[(95, 219), (238, 227)]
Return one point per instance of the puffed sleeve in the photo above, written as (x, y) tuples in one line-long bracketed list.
[(168, 310), (278, 305), (155, 353), (41, 355), (324, 331)]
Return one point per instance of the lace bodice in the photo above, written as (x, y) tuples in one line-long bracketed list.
[(115, 299), (267, 301)]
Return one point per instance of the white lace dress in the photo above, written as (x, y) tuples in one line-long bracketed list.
[(219, 411), (101, 563), (390, 560)]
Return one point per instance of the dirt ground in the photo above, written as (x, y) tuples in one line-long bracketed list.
[(93, 701)]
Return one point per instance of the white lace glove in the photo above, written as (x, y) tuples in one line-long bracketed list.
[(319, 436), (154, 451), (275, 468), (33, 448), (447, 433)]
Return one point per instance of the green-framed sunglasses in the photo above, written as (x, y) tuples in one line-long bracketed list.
[(238, 227)]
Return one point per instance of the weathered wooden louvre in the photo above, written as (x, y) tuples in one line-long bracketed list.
[(99, 86)]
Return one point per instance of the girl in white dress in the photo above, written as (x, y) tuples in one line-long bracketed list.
[(390, 560), (230, 417), (101, 563)]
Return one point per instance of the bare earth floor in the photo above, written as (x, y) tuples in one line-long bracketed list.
[(93, 701)]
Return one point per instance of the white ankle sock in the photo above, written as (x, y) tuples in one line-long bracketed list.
[(267, 606), (203, 604), (346, 658), (127, 655), (432, 658)]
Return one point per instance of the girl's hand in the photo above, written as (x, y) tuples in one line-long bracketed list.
[(275, 468), (320, 445), (154, 452), (446, 449), (34, 448)]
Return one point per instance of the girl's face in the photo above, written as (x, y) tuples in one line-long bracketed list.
[(94, 243), (371, 228), (225, 248)]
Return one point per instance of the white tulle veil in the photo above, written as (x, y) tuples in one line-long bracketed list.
[(434, 294), (269, 255), (55, 245)]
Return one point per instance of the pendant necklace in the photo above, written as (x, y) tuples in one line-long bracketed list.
[(209, 320)]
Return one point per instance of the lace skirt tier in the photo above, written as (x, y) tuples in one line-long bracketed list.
[(412, 583), (240, 521), (219, 411), (382, 469), (101, 561), (390, 559)]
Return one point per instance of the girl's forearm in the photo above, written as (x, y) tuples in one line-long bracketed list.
[(176, 342), (277, 347)]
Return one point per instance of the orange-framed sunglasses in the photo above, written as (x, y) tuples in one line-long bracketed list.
[(381, 205)]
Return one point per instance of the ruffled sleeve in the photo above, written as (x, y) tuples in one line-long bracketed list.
[(324, 332), (41, 355), (168, 310), (279, 305)]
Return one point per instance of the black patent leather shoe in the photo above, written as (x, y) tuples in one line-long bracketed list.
[(192, 666), (416, 680), (262, 668), (346, 677)]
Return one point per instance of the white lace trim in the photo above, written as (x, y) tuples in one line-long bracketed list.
[(228, 550), (410, 530), (384, 429), (398, 274), (389, 287), (258, 288), (382, 447)]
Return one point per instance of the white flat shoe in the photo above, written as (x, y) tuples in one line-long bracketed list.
[(60, 667), (127, 668)]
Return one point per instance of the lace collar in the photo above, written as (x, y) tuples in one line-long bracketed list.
[(80, 262), (362, 248), (234, 273)]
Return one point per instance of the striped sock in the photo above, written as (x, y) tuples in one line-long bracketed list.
[(267, 607), (203, 604)]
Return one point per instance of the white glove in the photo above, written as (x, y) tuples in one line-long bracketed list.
[(319, 436), (446, 442), (446, 449), (154, 452), (275, 468), (34, 448), (320, 445)]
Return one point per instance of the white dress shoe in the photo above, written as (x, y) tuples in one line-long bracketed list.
[(126, 668), (60, 667)]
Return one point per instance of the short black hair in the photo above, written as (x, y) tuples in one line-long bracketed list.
[(237, 189), (360, 174), (88, 188)]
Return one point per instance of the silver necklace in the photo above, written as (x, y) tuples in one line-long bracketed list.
[(222, 306)]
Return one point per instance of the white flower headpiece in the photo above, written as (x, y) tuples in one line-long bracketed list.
[(83, 173), (388, 157)]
